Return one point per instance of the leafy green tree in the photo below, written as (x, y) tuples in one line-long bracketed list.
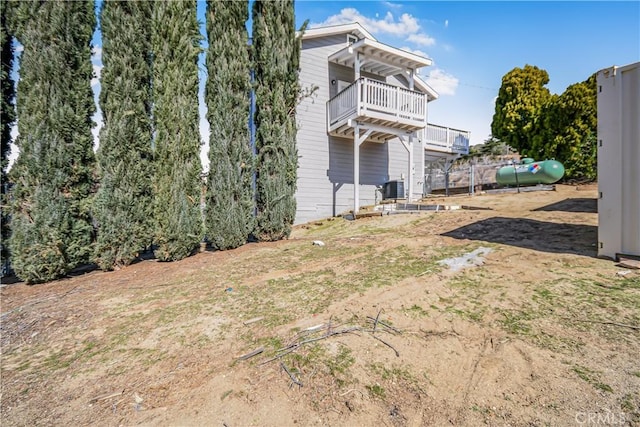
[(567, 130), (494, 147), (177, 188), (518, 106), (276, 66), (123, 204), (7, 118), (51, 227), (229, 203)]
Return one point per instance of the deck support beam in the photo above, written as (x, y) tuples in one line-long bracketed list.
[(407, 143), (358, 139)]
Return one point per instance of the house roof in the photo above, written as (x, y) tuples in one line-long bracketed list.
[(424, 87), (381, 58), (330, 30), (378, 58)]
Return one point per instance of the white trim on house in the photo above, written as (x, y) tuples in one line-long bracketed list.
[(422, 86), (361, 33), (331, 30), (378, 58)]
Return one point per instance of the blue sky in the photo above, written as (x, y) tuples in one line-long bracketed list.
[(473, 44)]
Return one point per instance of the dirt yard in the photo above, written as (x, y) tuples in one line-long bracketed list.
[(367, 329)]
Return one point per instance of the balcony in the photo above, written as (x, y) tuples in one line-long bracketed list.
[(446, 140), (386, 108)]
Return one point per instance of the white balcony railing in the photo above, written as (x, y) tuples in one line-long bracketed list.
[(446, 139), (371, 98), (344, 104)]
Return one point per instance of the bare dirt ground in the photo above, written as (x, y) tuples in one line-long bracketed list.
[(369, 329)]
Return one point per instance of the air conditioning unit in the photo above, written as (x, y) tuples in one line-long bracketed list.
[(393, 190)]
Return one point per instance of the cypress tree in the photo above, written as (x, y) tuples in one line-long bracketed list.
[(176, 45), (51, 225), (229, 198), (276, 57), (7, 117), (124, 203)]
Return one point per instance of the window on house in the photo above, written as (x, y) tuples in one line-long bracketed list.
[(351, 39)]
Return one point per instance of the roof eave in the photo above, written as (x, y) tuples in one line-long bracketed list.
[(330, 30), (432, 95), (401, 59)]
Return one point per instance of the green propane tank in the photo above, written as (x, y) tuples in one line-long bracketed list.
[(530, 172)]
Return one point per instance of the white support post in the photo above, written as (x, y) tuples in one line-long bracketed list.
[(364, 83), (358, 139), (411, 78), (411, 171), (397, 106), (408, 145), (360, 98), (356, 170), (448, 145), (356, 67)]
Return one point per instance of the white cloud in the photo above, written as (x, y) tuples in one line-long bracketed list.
[(443, 82), (415, 52), (96, 60), (392, 5), (421, 39), (97, 118), (96, 53), (406, 24), (97, 71), (19, 48), (14, 151), (446, 23)]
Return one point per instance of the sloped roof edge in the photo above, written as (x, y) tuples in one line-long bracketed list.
[(353, 28), (361, 32), (424, 87)]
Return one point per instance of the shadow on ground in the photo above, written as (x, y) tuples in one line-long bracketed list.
[(572, 205), (532, 234)]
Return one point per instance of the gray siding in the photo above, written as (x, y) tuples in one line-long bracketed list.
[(418, 150), (325, 172), (314, 195)]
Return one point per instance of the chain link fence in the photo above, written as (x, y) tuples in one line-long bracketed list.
[(459, 177)]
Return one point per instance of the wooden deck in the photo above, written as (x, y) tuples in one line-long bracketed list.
[(376, 103), (390, 110)]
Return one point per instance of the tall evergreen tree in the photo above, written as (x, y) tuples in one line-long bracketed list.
[(124, 204), (229, 198), (520, 100), (7, 117), (177, 187), (276, 62), (51, 226)]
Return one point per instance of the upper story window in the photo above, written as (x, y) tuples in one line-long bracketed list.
[(351, 39)]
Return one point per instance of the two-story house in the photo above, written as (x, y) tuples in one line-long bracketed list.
[(365, 125)]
